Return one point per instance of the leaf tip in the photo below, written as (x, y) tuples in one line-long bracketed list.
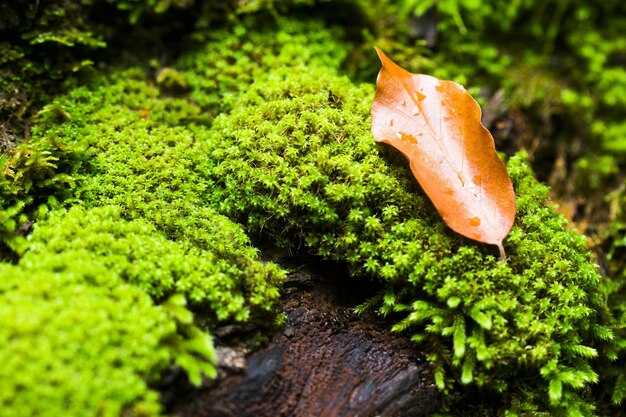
[(381, 55), (390, 66)]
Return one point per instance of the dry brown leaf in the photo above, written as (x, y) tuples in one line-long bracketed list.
[(436, 125)]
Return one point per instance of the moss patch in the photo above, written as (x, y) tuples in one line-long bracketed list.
[(295, 160), (77, 340), (289, 155), (148, 160)]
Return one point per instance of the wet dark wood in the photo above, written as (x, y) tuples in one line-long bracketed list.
[(326, 362)]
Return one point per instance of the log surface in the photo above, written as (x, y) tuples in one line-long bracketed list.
[(325, 362)]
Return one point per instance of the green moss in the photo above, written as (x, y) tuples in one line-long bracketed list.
[(290, 146), (295, 160), (291, 157), (78, 341), (146, 221), (232, 59), (137, 252), (43, 43), (149, 158), (147, 162), (46, 45), (34, 177)]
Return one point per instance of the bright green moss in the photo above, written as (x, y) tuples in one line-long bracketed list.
[(148, 160), (137, 252), (149, 155), (77, 341), (34, 177), (295, 160), (145, 220), (292, 158), (292, 148)]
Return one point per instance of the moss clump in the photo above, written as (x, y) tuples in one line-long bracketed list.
[(150, 165), (290, 147), (145, 220), (149, 156), (137, 252), (76, 340), (295, 160)]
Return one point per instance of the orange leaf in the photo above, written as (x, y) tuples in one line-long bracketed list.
[(436, 125)]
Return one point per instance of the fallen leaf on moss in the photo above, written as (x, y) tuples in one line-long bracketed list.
[(436, 125)]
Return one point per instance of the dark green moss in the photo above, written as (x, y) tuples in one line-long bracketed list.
[(613, 359), (45, 46)]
